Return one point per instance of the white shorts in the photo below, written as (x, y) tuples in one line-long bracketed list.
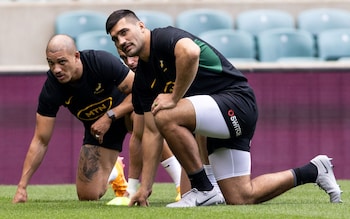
[(207, 111), (227, 163)]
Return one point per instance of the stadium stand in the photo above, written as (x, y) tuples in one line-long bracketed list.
[(334, 44), (98, 40), (154, 19), (39, 18), (76, 22), (317, 20), (197, 21), (236, 45), (285, 43), (256, 21)]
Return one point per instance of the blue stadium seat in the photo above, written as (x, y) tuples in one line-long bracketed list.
[(320, 19), (76, 22), (256, 21), (97, 40), (233, 44), (197, 21), (154, 19), (344, 59), (334, 44), (285, 43)]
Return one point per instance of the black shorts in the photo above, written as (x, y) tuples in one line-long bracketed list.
[(113, 139), (240, 113)]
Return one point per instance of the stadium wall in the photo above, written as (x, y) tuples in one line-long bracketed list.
[(304, 111)]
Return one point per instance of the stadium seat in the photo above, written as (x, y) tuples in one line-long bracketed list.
[(197, 21), (344, 59), (334, 44), (154, 19), (285, 43), (97, 40), (76, 22), (233, 44), (256, 21), (320, 19)]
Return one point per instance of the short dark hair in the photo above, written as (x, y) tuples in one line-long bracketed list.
[(116, 16)]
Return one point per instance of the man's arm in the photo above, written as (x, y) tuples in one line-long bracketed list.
[(126, 85), (152, 145), (187, 61), (101, 126), (35, 155)]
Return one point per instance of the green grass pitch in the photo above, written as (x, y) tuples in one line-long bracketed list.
[(60, 201)]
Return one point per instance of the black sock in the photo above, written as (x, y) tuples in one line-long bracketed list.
[(200, 181), (305, 174)]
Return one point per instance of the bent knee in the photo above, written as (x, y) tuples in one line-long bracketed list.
[(163, 119), (238, 191), (90, 192), (90, 196)]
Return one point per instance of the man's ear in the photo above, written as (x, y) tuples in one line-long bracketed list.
[(141, 25), (77, 54)]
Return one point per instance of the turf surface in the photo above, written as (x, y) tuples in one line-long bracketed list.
[(60, 201)]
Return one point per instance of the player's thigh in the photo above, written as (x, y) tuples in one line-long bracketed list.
[(181, 115), (209, 120), (95, 165), (95, 160)]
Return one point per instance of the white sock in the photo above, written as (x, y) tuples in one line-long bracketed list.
[(133, 185), (113, 174), (209, 171), (173, 168)]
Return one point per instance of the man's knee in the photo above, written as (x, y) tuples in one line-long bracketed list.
[(237, 190), (91, 193), (162, 119), (89, 197)]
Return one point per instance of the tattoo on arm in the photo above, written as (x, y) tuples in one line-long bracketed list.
[(124, 88)]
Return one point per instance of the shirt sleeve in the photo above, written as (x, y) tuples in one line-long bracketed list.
[(49, 99), (110, 66)]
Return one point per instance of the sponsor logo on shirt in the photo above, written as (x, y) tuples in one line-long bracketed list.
[(69, 100), (98, 89), (169, 86), (161, 65), (96, 110)]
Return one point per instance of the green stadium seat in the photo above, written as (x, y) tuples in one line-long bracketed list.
[(154, 19), (285, 43), (256, 21), (197, 21), (97, 40), (320, 19), (334, 44), (233, 44), (76, 22)]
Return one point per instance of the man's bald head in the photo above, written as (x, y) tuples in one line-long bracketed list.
[(61, 43)]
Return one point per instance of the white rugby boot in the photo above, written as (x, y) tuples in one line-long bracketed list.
[(326, 179), (194, 198)]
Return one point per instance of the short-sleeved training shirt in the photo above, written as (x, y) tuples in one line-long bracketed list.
[(91, 97), (216, 77), (215, 72)]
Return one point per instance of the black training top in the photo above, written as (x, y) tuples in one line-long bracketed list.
[(215, 72), (92, 96)]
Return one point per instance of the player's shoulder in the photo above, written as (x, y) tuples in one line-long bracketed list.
[(169, 30), (96, 54)]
